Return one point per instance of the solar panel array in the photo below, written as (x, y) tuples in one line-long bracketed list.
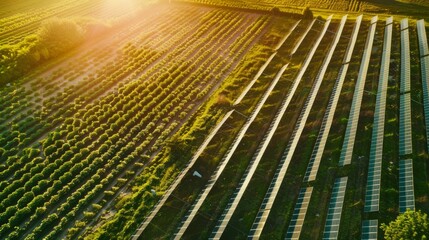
[(405, 138), (215, 176), (319, 147), (372, 195), (349, 137), (332, 225), (424, 61), (295, 226), (406, 185), (247, 176), (179, 178), (369, 229), (280, 173)]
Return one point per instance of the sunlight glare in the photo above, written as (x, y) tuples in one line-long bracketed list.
[(119, 7)]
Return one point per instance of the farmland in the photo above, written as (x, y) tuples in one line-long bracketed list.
[(401, 7), (211, 119)]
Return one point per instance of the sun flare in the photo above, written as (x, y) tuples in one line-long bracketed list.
[(119, 7)]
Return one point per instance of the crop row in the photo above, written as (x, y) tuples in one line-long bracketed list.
[(94, 146), (53, 108)]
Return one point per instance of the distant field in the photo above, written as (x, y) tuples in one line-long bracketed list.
[(417, 2), (404, 7), (21, 19)]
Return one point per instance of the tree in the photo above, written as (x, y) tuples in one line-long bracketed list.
[(223, 101), (307, 13), (180, 148), (275, 11), (409, 225), (59, 35)]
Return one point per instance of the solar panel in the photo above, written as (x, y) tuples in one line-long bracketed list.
[(295, 226), (322, 137), (424, 61), (349, 137), (423, 44), (406, 185), (405, 137), (369, 229), (376, 152), (333, 218)]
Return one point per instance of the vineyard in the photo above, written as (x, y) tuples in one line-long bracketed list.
[(194, 121), (76, 130)]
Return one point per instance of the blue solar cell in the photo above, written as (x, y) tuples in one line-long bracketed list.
[(335, 208)]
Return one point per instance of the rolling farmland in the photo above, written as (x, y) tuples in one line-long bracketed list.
[(193, 121)]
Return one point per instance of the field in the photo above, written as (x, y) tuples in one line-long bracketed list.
[(416, 8), (211, 119)]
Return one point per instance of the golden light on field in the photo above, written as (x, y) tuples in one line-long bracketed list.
[(119, 6), (113, 111)]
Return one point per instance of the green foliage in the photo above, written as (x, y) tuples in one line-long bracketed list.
[(54, 37), (275, 10), (57, 35), (409, 225), (307, 13), (180, 148)]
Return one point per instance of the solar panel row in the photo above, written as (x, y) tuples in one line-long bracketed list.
[(280, 173), (333, 219), (319, 147), (406, 185), (405, 138), (369, 229), (349, 137), (424, 61), (405, 134), (405, 57), (372, 196), (295, 226), (423, 44)]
